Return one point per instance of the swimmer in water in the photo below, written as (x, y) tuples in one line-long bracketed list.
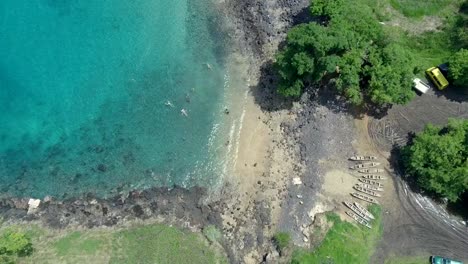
[(184, 112), (208, 66), (168, 103)]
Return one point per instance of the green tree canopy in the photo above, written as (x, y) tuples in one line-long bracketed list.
[(458, 68), (438, 159), (349, 52)]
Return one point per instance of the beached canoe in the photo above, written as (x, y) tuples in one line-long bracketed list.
[(356, 210), (364, 197), (358, 219), (372, 182), (367, 191), (370, 187), (362, 158), (373, 177), (364, 210), (371, 171), (365, 165)]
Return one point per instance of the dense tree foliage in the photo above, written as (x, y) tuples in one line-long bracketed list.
[(460, 29), (438, 159), (458, 64), (350, 51)]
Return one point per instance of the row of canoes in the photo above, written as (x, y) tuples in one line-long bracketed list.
[(367, 189)]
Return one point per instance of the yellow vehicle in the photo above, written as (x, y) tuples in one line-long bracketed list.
[(437, 78)]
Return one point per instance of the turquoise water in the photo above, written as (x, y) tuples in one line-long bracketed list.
[(83, 92)]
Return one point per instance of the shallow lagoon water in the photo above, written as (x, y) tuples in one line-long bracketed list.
[(83, 92)]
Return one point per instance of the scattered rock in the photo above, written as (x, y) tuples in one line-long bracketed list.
[(297, 181), (33, 205)]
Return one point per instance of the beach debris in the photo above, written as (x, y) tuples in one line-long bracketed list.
[(374, 177), (169, 103), (33, 204), (359, 219), (362, 158), (297, 181), (184, 112), (370, 187), (367, 191), (371, 171), (365, 165), (364, 210), (364, 197), (372, 182), (356, 210)]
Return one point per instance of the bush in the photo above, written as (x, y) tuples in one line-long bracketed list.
[(458, 68), (15, 243), (438, 159), (282, 240)]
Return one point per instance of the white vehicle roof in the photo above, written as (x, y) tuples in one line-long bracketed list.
[(420, 85)]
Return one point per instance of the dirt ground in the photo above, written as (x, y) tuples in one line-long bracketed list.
[(414, 224)]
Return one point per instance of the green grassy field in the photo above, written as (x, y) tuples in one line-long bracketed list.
[(140, 244), (429, 48), (345, 242), (417, 8)]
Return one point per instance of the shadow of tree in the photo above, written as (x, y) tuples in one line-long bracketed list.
[(451, 93)]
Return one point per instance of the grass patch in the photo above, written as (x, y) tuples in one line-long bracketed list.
[(143, 244), (160, 244), (345, 242), (282, 240), (428, 49), (418, 8), (408, 260), (75, 244)]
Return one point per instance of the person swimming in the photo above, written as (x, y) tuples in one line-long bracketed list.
[(209, 66), (184, 112), (168, 103)]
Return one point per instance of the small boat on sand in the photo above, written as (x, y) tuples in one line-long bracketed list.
[(362, 158), (356, 210), (371, 171), (373, 177), (364, 197), (365, 165), (367, 191), (364, 210), (358, 219), (370, 187), (378, 184)]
